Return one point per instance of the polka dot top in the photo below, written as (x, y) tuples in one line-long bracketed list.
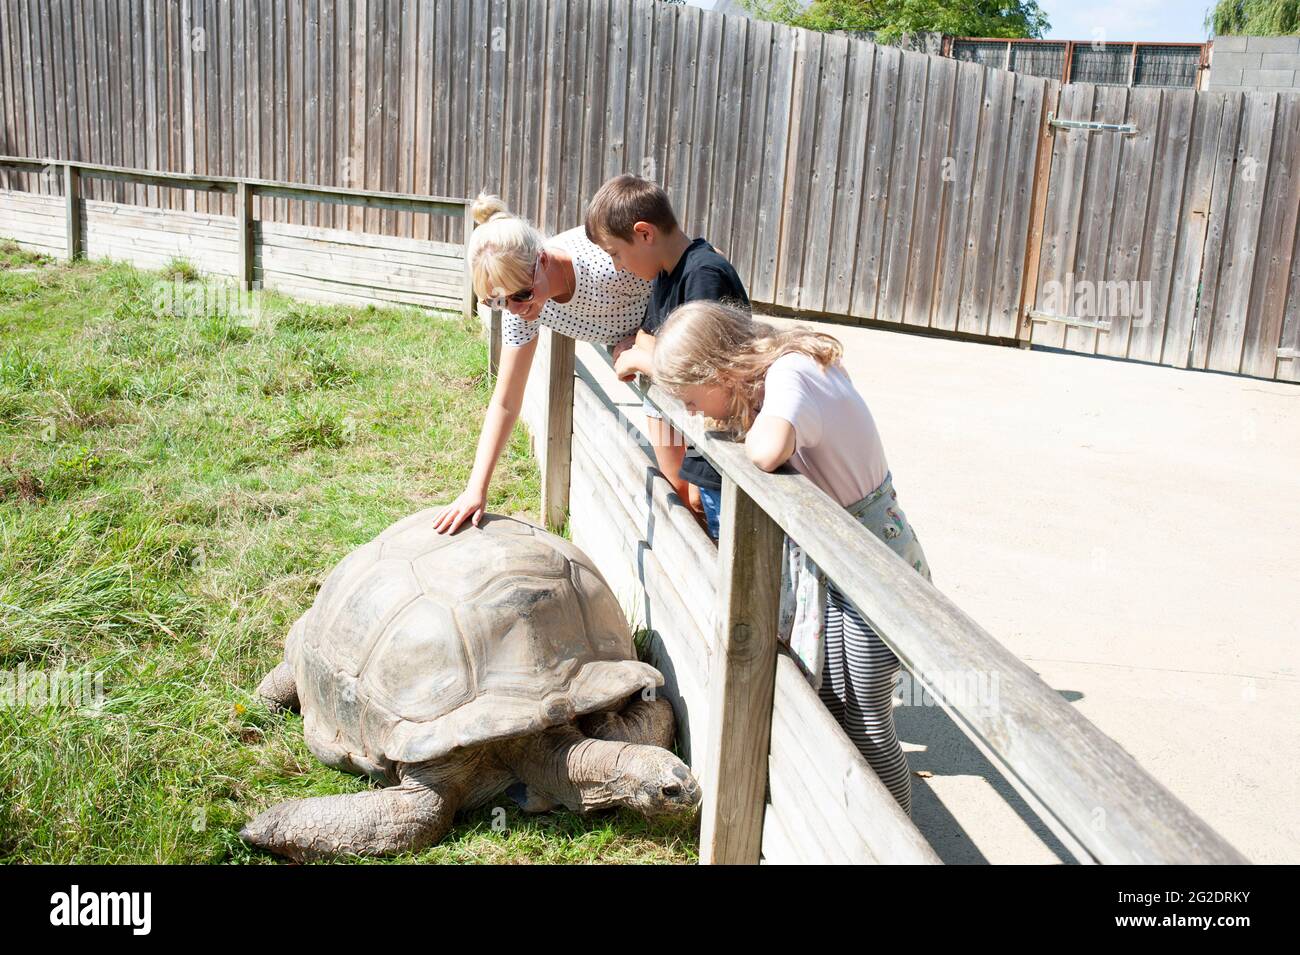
[(606, 306)]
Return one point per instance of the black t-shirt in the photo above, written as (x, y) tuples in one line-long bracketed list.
[(701, 273)]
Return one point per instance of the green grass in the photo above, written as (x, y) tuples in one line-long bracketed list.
[(13, 256), (173, 489), (182, 269)]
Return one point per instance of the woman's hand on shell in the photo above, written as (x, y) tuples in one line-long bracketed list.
[(469, 506)]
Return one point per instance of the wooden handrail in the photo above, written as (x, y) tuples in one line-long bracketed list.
[(244, 189), (433, 205), (1086, 787)]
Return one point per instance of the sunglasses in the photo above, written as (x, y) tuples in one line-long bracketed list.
[(520, 297)]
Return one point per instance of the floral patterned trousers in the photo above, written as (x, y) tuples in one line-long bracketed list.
[(843, 658)]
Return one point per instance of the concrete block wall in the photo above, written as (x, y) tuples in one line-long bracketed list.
[(1266, 63)]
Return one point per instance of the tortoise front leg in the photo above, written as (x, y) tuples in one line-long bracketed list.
[(530, 800), (646, 721), (585, 774)]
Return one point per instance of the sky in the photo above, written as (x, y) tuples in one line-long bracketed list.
[(1169, 21)]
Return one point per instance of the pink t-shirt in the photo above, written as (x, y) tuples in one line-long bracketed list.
[(836, 442)]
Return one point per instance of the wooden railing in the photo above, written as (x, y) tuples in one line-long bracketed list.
[(1096, 798), (244, 190)]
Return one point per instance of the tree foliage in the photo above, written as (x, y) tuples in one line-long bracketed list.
[(1254, 18), (890, 19)]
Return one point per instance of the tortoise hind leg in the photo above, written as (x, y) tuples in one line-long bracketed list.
[(279, 689), (378, 822), (403, 818)]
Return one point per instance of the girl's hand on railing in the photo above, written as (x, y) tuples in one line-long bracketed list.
[(470, 505), (770, 442)]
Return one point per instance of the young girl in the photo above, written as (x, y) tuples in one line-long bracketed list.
[(787, 394)]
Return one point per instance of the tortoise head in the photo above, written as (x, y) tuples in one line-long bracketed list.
[(655, 782)]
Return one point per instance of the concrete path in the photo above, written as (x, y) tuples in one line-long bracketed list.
[(1133, 534)]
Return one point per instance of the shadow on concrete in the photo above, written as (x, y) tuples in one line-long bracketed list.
[(948, 752)]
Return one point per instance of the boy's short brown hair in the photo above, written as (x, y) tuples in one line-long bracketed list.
[(624, 201)]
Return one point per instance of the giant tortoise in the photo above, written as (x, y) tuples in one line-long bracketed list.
[(455, 668)]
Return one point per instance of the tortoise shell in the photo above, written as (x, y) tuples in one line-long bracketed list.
[(419, 643)]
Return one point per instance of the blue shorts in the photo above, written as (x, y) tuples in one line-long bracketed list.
[(712, 501)]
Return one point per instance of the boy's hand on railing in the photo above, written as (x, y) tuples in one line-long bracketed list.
[(624, 345), (470, 504), (630, 363)]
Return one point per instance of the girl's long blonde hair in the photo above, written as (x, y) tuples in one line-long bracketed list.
[(503, 250), (712, 343)]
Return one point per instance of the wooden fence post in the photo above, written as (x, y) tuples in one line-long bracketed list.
[(1037, 215), (559, 431), (244, 217), (494, 342), (468, 304), (72, 206), (742, 681)]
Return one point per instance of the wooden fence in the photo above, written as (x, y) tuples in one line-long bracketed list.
[(838, 176), (1182, 233), (843, 179), (329, 265)]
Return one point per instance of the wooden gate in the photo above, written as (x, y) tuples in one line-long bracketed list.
[(1172, 238)]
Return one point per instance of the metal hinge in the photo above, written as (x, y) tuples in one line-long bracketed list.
[(1128, 129), (1035, 316)]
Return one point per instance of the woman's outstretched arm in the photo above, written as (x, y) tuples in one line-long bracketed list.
[(503, 412)]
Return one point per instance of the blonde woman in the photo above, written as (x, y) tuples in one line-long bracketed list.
[(566, 283), (787, 394)]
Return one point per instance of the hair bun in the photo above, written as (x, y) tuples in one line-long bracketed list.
[(487, 207)]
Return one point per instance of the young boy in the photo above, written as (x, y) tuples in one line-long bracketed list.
[(633, 221)]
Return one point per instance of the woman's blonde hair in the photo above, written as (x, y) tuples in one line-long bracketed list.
[(502, 252), (713, 343)]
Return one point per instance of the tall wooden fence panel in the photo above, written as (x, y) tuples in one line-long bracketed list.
[(1174, 241), (908, 186), (842, 178)]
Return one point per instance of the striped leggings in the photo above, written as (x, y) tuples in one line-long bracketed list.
[(857, 687)]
